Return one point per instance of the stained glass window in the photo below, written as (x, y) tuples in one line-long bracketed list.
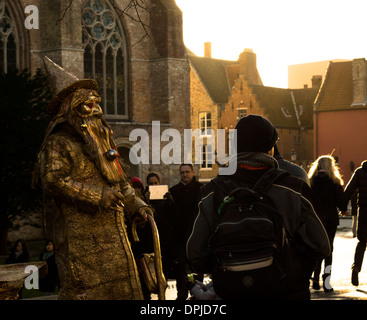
[(104, 56)]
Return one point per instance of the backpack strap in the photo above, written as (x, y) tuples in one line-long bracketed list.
[(268, 178), (229, 187), (226, 187)]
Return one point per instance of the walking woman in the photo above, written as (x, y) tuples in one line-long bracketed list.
[(327, 183)]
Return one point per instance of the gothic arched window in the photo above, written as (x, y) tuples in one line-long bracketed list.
[(8, 40), (105, 56)]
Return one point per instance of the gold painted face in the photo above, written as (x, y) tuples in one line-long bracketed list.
[(91, 107)]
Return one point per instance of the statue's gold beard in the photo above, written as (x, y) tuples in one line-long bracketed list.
[(97, 136)]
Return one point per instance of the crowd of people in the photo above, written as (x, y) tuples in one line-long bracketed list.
[(187, 218), (179, 223), (260, 232), (175, 215), (185, 225), (184, 232)]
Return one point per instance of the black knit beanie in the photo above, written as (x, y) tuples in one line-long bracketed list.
[(255, 134)]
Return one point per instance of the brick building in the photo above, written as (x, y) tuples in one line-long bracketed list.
[(223, 91), (211, 82), (141, 78), (289, 110), (340, 115)]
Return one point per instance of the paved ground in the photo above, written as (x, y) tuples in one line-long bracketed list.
[(344, 248)]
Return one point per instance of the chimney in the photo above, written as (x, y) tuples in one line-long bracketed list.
[(316, 81), (207, 49), (359, 69), (248, 68)]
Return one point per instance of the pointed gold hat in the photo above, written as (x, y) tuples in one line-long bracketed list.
[(62, 83)]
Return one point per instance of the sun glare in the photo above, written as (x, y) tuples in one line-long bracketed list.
[(281, 33)]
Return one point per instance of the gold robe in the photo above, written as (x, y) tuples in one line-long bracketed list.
[(93, 253)]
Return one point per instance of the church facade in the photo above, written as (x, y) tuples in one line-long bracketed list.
[(133, 49)]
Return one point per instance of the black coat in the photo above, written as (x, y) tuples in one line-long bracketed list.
[(184, 209), (293, 169), (331, 198), (50, 280), (164, 222), (358, 182)]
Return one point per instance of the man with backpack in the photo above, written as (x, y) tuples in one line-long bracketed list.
[(257, 231)]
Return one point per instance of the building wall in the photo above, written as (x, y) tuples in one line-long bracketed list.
[(299, 140), (241, 98), (344, 132), (202, 102)]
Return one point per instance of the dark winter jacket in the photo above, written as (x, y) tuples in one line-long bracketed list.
[(331, 197), (294, 198), (293, 169), (184, 209), (50, 280), (358, 181)]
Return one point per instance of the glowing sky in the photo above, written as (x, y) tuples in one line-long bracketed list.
[(280, 32)]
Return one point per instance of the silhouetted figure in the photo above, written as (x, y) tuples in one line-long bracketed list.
[(358, 182)]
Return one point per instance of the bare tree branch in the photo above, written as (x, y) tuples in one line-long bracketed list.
[(65, 10), (145, 27)]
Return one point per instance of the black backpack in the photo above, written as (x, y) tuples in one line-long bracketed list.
[(250, 243)]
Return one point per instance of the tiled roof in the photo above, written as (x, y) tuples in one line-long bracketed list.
[(212, 73), (279, 105), (337, 90)]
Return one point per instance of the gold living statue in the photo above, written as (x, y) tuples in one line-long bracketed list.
[(79, 168)]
